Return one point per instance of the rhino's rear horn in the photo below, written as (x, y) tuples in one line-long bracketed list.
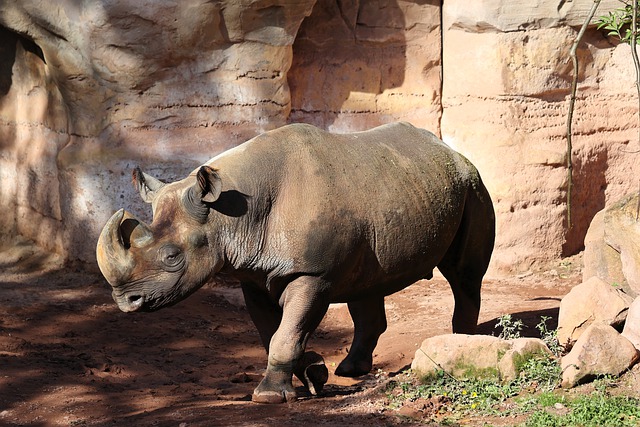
[(147, 185)]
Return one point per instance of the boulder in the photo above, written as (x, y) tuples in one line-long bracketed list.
[(460, 355), (475, 355), (632, 325), (622, 233), (593, 301), (599, 259), (600, 350)]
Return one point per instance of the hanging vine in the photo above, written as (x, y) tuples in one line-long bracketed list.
[(572, 101)]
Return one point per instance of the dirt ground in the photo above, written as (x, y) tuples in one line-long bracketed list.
[(69, 357)]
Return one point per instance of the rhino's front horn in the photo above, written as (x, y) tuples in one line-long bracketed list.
[(113, 258), (134, 233)]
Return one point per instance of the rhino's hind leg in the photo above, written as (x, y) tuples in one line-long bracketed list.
[(467, 259), (369, 322), (465, 278), (466, 293)]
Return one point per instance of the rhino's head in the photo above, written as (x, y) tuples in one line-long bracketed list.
[(157, 265)]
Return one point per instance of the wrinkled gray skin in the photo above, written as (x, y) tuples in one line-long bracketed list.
[(304, 218)]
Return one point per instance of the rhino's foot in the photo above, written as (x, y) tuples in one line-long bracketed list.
[(281, 394), (312, 372), (275, 387), (354, 368), (273, 396)]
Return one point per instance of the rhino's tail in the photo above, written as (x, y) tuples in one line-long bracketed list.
[(467, 259)]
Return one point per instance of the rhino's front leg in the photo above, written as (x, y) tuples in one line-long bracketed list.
[(304, 304), (267, 316)]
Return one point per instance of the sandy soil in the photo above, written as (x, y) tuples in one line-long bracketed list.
[(69, 357)]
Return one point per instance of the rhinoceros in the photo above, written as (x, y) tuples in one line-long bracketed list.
[(303, 218)]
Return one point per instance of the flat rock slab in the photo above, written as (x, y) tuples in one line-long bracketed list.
[(475, 355)]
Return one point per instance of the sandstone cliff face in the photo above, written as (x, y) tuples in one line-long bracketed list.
[(505, 100), (357, 65), (90, 89)]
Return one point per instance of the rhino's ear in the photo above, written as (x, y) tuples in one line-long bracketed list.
[(209, 184), (147, 185)]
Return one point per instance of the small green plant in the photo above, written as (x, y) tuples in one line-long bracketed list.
[(604, 382), (549, 336), (542, 370), (619, 22), (462, 396), (595, 410), (529, 403), (511, 329), (547, 399)]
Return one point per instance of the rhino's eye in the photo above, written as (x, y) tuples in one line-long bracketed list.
[(171, 257)]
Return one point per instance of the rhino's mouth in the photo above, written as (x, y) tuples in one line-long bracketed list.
[(129, 302)]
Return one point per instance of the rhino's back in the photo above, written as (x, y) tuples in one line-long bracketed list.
[(373, 206)]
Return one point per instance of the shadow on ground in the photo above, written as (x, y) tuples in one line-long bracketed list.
[(68, 356)]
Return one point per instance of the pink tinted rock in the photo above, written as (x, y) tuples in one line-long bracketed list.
[(631, 329), (593, 301), (601, 350)]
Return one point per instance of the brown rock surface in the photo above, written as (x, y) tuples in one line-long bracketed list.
[(504, 100), (360, 64)]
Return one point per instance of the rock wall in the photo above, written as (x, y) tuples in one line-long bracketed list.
[(360, 64), (90, 89), (33, 129), (505, 102)]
